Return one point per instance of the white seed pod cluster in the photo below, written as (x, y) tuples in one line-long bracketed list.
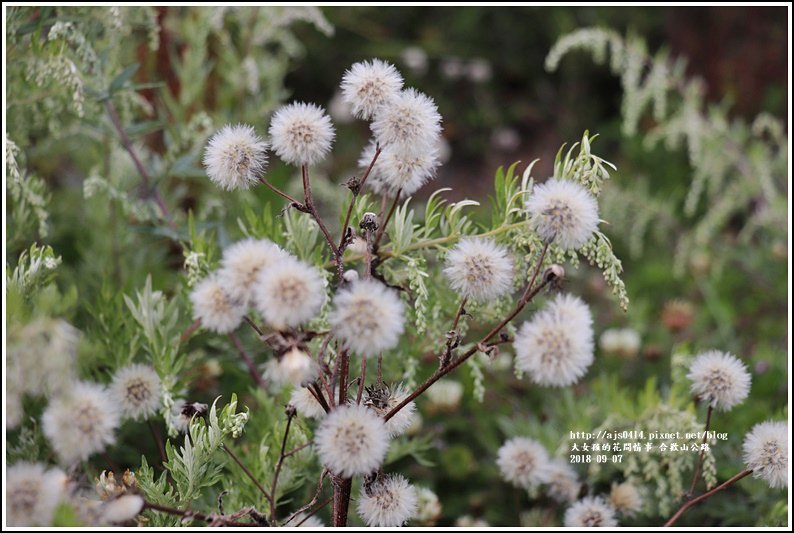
[(295, 367), (368, 85), (563, 212), (563, 483), (289, 293), (243, 261), (766, 453), (32, 494), (387, 502), (213, 305), (352, 440), (592, 511), (479, 269), (137, 390), (301, 133), (398, 170), (305, 403), (720, 379), (523, 462), (235, 157), (555, 347), (625, 498)]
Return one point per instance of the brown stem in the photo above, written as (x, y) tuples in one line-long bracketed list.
[(281, 457), (295, 203), (158, 440), (355, 192), (344, 371), (461, 311), (198, 516), (309, 204), (315, 511), (341, 499), (297, 449), (380, 369), (702, 454), (382, 228), (245, 469), (361, 378), (148, 189), (707, 495), (253, 325), (249, 363), (318, 395), (191, 329)]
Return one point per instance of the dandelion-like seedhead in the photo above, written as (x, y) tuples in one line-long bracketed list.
[(590, 512), (625, 498), (563, 481), (766, 453), (120, 510), (301, 134), (445, 394), (294, 367), (370, 84), (720, 379), (289, 293), (137, 390), (563, 212), (235, 157), (388, 502), (556, 347), (523, 462), (384, 399), (409, 122), (480, 269), (305, 403), (216, 309), (352, 440), (397, 170), (368, 317), (428, 506), (81, 422), (242, 262), (32, 494)]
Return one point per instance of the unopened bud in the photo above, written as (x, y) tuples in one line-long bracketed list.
[(369, 222)]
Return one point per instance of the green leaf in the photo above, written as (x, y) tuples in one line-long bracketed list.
[(125, 76)]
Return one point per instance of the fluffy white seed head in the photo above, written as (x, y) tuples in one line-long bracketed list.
[(301, 134), (294, 367), (242, 262), (623, 342), (563, 212), (766, 453), (81, 422), (370, 84), (137, 390), (625, 498), (216, 309), (383, 399), (555, 347), (387, 502), (479, 269), (408, 122), (14, 411), (590, 512), (368, 317), (122, 509), (352, 440), (235, 157), (445, 395), (300, 520), (289, 293), (305, 403), (428, 506), (563, 481), (720, 379), (400, 170), (32, 494), (523, 462)]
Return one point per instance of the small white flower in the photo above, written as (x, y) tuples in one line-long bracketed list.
[(590, 512), (625, 498), (399, 170), (523, 462), (14, 411), (235, 157), (300, 520), (81, 422), (137, 390), (564, 212), (294, 367), (370, 84), (445, 394), (217, 311), (563, 482), (556, 347), (32, 494), (387, 502), (368, 317), (720, 379), (305, 403), (624, 342), (409, 122), (383, 400), (352, 440), (122, 509), (243, 261), (766, 453), (428, 507), (289, 293), (479, 269), (301, 134)]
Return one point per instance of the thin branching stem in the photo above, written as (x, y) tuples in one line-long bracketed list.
[(707, 495), (279, 464), (245, 469), (699, 466), (249, 362)]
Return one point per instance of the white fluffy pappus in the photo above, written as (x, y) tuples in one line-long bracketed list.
[(720, 379), (368, 317), (766, 453), (555, 347), (590, 512), (301, 134), (294, 367), (445, 395), (388, 502), (121, 509), (625, 498), (305, 403), (523, 462), (289, 293), (137, 390), (367, 85), (81, 422), (235, 157), (408, 122), (32, 494), (428, 507), (216, 309), (564, 212), (479, 269), (383, 400), (242, 262), (352, 440), (398, 170), (563, 481)]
